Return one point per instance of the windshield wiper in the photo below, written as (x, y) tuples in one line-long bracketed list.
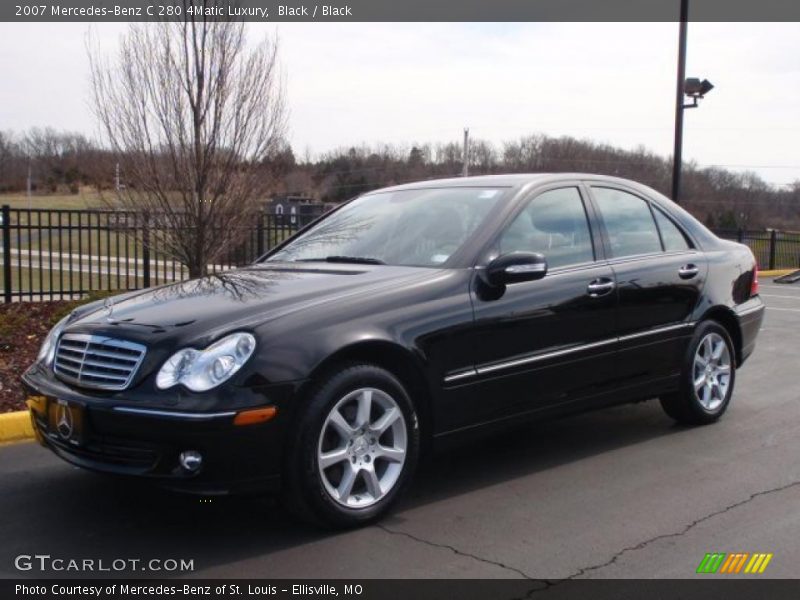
[(363, 260)]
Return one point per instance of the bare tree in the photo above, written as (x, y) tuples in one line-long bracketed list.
[(7, 151), (194, 116), (482, 157)]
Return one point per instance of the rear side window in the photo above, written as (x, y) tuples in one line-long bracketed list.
[(629, 222), (673, 238)]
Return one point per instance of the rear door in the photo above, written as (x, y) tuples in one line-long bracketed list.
[(659, 277)]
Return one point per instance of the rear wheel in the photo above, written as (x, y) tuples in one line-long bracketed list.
[(356, 448), (707, 379)]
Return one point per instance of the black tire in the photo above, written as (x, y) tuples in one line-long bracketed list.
[(685, 406), (304, 490)]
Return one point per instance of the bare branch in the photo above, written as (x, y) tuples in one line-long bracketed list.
[(192, 114)]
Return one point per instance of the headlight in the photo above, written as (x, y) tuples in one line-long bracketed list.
[(201, 370), (48, 350)]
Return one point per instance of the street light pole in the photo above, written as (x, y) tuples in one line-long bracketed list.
[(28, 184), (465, 170), (677, 155)]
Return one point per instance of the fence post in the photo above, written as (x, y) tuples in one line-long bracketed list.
[(146, 249), (740, 235), (6, 253), (260, 235), (773, 239)]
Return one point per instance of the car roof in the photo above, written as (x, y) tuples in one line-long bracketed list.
[(511, 180)]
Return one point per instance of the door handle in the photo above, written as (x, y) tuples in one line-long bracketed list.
[(600, 287), (688, 271)]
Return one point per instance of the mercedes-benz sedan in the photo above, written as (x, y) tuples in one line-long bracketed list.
[(413, 314)]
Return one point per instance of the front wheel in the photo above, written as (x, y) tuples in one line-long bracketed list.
[(708, 376), (356, 448)]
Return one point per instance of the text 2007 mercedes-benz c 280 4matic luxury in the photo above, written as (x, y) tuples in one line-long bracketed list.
[(413, 314)]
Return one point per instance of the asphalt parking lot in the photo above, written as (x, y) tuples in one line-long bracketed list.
[(618, 493)]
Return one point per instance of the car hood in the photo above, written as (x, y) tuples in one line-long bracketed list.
[(242, 298)]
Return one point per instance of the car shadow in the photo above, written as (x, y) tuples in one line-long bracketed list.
[(51, 508)]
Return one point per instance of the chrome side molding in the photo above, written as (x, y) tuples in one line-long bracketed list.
[(491, 368)]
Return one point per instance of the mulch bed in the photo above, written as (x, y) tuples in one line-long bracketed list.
[(23, 327)]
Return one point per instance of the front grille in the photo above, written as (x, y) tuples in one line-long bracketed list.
[(99, 362)]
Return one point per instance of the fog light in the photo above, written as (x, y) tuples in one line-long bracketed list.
[(191, 460)]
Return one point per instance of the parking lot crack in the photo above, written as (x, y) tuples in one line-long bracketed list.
[(641, 545), (458, 552)]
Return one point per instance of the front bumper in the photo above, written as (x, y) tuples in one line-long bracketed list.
[(146, 442)]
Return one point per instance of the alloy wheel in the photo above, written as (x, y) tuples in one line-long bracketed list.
[(711, 374), (362, 448)]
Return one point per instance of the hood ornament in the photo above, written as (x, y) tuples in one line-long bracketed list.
[(108, 304)]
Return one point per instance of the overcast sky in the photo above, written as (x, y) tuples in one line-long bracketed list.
[(405, 83)]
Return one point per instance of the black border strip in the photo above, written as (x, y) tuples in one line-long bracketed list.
[(403, 10), (703, 587)]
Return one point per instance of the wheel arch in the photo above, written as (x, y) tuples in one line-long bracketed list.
[(397, 360), (726, 317)]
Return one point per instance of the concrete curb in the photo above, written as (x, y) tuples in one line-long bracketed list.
[(15, 427), (776, 272)]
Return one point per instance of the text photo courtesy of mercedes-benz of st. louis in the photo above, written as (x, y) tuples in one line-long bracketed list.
[(407, 317)]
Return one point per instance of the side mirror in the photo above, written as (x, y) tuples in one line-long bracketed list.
[(515, 267)]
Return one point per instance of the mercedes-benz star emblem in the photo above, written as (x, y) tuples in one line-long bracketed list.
[(64, 421), (108, 304)]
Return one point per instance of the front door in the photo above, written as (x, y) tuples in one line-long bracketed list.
[(542, 342)]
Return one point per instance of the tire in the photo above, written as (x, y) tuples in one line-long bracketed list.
[(705, 391), (344, 469)]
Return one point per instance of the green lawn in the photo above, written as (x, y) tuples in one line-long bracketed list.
[(95, 242), (82, 200), (34, 280)]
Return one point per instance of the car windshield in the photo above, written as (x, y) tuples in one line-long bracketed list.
[(421, 227)]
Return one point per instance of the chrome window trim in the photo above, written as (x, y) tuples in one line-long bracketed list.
[(557, 271), (584, 266), (491, 368), (634, 257), (637, 257)]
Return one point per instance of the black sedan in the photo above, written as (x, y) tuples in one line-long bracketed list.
[(408, 317)]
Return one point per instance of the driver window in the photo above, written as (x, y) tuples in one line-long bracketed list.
[(555, 225)]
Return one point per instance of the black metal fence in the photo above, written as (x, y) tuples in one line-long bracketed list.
[(773, 249), (65, 254)]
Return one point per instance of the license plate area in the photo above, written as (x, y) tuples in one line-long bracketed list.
[(66, 422)]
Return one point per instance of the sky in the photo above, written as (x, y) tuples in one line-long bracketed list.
[(404, 83)]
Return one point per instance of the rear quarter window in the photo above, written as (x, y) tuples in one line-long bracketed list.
[(629, 223), (673, 238)]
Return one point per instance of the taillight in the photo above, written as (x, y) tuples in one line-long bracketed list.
[(754, 284)]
